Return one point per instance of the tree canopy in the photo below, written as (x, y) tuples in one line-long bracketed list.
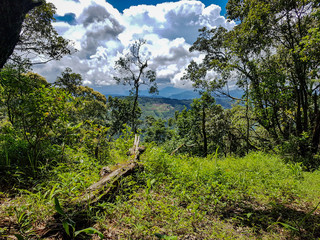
[(132, 70), (27, 34), (267, 50)]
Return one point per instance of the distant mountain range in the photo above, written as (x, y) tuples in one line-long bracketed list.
[(167, 92), (172, 99)]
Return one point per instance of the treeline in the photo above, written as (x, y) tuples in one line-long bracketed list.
[(272, 54), (41, 119)]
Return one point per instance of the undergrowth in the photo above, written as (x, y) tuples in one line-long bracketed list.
[(175, 197)]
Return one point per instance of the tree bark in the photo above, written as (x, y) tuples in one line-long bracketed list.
[(107, 183), (101, 188), (12, 15), (316, 135), (134, 109), (204, 132)]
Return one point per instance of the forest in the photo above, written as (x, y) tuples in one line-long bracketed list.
[(76, 164)]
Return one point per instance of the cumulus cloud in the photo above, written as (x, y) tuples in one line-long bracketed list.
[(101, 34)]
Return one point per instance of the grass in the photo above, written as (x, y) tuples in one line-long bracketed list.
[(220, 199), (176, 197)]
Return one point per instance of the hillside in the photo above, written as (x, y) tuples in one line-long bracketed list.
[(161, 107), (166, 107), (229, 148)]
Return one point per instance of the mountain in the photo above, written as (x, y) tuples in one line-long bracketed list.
[(166, 92), (185, 95), (113, 90), (164, 108), (175, 100)]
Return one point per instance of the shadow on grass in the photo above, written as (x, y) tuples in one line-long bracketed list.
[(302, 222)]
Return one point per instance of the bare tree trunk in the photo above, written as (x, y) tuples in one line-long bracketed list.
[(316, 135), (133, 114), (247, 117), (107, 183), (204, 132)]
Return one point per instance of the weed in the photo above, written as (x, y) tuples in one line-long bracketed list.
[(178, 197), (70, 226)]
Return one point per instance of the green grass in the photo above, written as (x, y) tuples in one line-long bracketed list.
[(163, 108), (180, 197)]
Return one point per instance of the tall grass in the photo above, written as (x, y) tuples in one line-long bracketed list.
[(181, 196), (258, 175)]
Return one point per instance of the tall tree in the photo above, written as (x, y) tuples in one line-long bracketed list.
[(156, 130), (203, 126), (26, 27), (200, 108), (39, 42), (69, 80), (12, 15), (132, 69), (35, 109), (266, 50), (89, 104), (119, 112)]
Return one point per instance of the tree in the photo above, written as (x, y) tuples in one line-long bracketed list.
[(266, 52), (203, 126), (197, 73), (69, 80), (156, 130), (39, 41), (119, 114), (132, 69), (200, 108), (91, 105), (12, 15), (26, 30), (35, 109), (88, 104), (238, 122)]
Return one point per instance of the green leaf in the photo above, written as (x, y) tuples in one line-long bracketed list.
[(19, 237), (310, 213), (152, 182), (89, 230), (22, 216), (65, 225), (287, 226), (162, 236), (249, 215), (52, 191), (58, 207)]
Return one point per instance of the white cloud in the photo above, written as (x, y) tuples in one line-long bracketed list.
[(101, 34)]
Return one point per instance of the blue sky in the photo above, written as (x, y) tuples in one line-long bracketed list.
[(121, 5), (103, 31)]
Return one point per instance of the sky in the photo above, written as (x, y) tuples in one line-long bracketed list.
[(103, 31), (121, 5)]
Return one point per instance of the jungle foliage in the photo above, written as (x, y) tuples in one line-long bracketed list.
[(247, 172), (271, 54)]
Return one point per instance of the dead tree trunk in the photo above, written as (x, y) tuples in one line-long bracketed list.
[(107, 183)]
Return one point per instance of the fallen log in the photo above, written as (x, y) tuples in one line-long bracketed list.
[(108, 184), (99, 189), (111, 178), (181, 146), (177, 149)]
